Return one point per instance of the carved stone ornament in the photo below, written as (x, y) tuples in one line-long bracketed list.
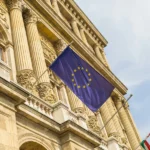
[(116, 135), (60, 46), (93, 125), (26, 78), (79, 110), (46, 92), (14, 4), (29, 16), (124, 140), (49, 55), (3, 19)]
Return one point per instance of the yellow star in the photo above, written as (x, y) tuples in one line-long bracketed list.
[(74, 84), (84, 86), (78, 87), (82, 68), (72, 74), (72, 80), (90, 79), (88, 84), (79, 68), (86, 70), (89, 74), (75, 70)]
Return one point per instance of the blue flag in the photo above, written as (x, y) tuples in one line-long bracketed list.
[(86, 83)]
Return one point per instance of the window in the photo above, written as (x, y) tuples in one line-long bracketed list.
[(2, 55)]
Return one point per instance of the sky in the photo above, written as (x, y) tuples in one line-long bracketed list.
[(126, 26)]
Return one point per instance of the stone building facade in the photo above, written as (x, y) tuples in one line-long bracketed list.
[(40, 112)]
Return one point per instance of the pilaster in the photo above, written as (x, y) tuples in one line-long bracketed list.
[(110, 127)]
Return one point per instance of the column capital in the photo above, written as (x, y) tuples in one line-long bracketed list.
[(46, 92), (26, 78), (14, 4), (60, 45), (30, 17)]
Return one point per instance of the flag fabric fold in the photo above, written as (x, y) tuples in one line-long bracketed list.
[(145, 145), (86, 83)]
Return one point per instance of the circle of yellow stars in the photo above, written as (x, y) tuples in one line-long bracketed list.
[(89, 79)]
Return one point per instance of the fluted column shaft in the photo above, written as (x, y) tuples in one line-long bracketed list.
[(21, 49), (56, 8), (75, 28), (110, 127), (133, 125), (83, 36), (115, 119), (38, 60), (75, 103), (127, 125)]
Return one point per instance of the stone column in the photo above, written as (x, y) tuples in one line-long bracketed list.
[(83, 36), (75, 27), (44, 87), (110, 127), (56, 8), (25, 75), (126, 123), (75, 103), (98, 53), (133, 125), (115, 119)]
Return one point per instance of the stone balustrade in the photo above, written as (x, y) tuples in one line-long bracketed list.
[(39, 106)]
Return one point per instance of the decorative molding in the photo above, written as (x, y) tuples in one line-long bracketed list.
[(29, 16), (60, 45), (14, 4), (26, 78), (46, 92), (83, 21), (94, 126)]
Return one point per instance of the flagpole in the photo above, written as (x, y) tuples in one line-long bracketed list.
[(144, 140), (44, 73), (116, 113)]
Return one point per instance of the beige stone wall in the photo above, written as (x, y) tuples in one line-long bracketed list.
[(8, 129)]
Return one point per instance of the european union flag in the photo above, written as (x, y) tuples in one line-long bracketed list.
[(87, 84)]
